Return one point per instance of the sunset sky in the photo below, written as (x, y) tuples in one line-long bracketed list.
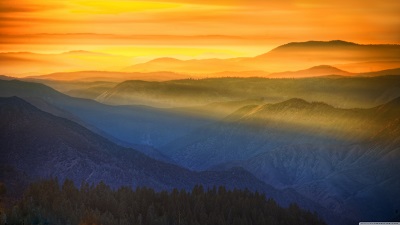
[(191, 28)]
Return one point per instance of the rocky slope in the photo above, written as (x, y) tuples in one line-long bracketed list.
[(344, 159)]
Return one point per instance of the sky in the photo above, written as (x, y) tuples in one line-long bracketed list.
[(191, 28)]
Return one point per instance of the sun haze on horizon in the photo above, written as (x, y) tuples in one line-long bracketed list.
[(190, 29)]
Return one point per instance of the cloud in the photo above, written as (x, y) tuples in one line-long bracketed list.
[(24, 6), (112, 39), (119, 6)]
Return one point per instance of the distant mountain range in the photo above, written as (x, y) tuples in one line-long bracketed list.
[(291, 56), (315, 71), (27, 63), (96, 76), (347, 56), (107, 87), (336, 53), (212, 99), (193, 66), (338, 91), (345, 159), (326, 70), (87, 76)]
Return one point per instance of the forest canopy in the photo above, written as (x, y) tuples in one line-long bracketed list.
[(48, 202)]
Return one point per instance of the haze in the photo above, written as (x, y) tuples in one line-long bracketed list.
[(187, 29)]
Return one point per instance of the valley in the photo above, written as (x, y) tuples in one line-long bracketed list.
[(322, 133)]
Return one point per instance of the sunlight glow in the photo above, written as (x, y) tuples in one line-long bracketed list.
[(191, 29)]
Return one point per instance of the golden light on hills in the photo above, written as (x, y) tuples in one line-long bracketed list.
[(188, 29)]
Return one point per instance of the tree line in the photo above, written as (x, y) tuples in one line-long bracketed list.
[(48, 202)]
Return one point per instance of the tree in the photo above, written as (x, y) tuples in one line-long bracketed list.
[(3, 190), (47, 202)]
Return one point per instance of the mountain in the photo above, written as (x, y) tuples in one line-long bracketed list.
[(192, 66), (311, 53), (56, 111), (176, 93), (345, 92), (54, 146), (292, 56), (254, 73), (369, 66), (394, 71), (3, 77), (323, 70), (344, 159), (109, 76), (109, 92), (80, 89), (138, 126), (328, 49), (318, 44), (347, 56), (255, 128), (217, 110), (21, 64), (42, 145), (133, 125)]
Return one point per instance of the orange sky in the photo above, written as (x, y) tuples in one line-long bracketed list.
[(191, 28)]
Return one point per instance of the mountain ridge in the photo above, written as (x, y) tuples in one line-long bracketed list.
[(312, 43), (315, 71), (110, 76), (57, 147), (342, 54), (296, 54), (116, 76), (343, 158), (339, 91)]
